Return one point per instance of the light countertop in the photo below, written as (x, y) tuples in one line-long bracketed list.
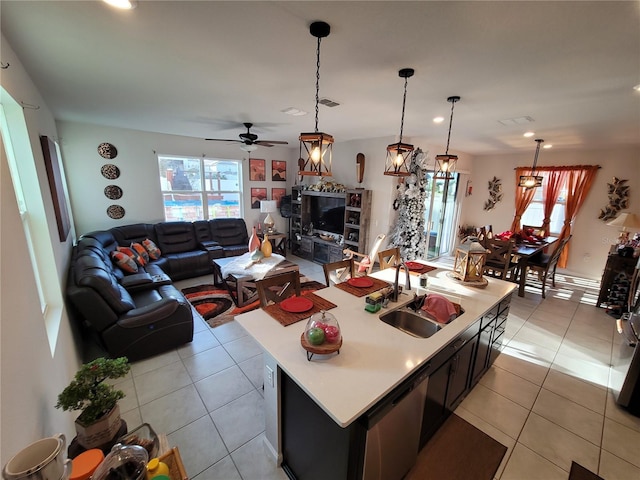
[(374, 357)]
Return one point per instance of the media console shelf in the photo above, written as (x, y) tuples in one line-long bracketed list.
[(352, 225)]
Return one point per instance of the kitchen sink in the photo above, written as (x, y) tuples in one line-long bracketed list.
[(411, 322)]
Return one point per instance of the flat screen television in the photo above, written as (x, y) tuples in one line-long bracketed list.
[(327, 214)]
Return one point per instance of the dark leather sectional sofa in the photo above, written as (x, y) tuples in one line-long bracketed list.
[(141, 314)]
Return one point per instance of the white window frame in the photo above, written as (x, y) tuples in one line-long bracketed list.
[(203, 189), (29, 197), (532, 217)]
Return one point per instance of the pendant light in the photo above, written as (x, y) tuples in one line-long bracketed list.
[(399, 154), (533, 180), (316, 148), (445, 164)]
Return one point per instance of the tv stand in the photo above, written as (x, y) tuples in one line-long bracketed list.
[(305, 241)]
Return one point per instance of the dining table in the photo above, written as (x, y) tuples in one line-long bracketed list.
[(524, 251)]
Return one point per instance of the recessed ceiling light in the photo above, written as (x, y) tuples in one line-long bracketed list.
[(438, 120), (123, 4), (547, 145), (296, 112), (637, 88), (529, 134)]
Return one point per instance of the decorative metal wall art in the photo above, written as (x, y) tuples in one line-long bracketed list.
[(618, 194), (495, 193), (112, 192), (115, 211), (110, 171), (107, 150)]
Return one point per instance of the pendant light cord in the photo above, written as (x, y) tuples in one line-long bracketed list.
[(453, 102), (317, 80), (404, 100), (535, 158)]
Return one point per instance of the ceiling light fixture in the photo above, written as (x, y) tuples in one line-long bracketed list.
[(248, 147), (317, 146), (528, 134), (445, 164), (398, 154), (122, 4), (533, 180)]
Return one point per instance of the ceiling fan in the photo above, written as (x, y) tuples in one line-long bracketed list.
[(250, 140)]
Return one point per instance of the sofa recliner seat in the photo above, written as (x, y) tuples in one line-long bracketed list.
[(142, 314)]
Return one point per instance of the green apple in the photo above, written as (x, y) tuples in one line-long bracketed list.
[(315, 336)]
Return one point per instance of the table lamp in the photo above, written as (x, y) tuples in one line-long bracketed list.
[(268, 206), (624, 221)]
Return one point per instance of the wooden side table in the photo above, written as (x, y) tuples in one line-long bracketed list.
[(616, 264), (278, 242)]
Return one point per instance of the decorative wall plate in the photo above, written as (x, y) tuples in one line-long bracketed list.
[(115, 211), (113, 192), (106, 150), (110, 171)]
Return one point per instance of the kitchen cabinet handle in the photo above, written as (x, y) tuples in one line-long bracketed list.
[(459, 344)]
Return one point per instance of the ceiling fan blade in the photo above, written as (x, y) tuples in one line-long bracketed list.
[(224, 140), (270, 143)]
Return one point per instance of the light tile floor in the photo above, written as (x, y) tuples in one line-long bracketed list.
[(549, 397)]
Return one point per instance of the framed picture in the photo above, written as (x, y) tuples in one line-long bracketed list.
[(257, 170), (277, 194), (278, 171), (258, 194), (54, 175)]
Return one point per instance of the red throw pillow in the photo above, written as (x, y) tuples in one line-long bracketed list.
[(141, 251), (135, 256), (124, 262), (152, 249)]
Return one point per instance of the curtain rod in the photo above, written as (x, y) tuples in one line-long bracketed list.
[(560, 167)]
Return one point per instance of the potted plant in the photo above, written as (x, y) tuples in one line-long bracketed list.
[(99, 420)]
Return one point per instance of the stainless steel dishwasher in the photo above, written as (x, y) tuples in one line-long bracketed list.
[(393, 431)]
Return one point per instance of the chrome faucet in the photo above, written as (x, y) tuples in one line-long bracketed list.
[(407, 284)]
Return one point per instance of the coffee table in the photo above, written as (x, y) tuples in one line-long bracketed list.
[(243, 288)]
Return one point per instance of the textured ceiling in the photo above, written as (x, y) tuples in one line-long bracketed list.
[(202, 68)]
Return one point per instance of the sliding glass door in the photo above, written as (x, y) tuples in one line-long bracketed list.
[(441, 213)]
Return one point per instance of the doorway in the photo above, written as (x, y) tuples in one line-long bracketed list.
[(441, 212)]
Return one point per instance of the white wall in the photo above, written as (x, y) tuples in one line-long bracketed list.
[(30, 376), (591, 237), (139, 177)]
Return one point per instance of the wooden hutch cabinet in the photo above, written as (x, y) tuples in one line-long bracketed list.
[(614, 286), (307, 226)]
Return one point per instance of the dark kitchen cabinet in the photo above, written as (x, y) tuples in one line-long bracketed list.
[(449, 383)]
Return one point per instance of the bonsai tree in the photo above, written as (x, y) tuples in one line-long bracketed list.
[(88, 392)]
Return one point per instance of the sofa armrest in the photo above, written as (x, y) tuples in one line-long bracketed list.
[(149, 314), (136, 280), (209, 244)]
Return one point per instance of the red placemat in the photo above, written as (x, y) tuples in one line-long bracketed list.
[(413, 268), (289, 318), (362, 291)]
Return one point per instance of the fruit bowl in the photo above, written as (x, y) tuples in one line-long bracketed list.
[(321, 335)]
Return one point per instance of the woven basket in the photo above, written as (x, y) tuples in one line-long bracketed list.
[(173, 460)]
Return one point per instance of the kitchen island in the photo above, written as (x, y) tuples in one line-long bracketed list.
[(337, 393)]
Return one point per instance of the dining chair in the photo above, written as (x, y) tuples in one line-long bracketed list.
[(364, 262), (499, 262), (543, 263), (389, 258), (338, 272), (276, 288)]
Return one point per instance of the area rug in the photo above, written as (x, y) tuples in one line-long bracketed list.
[(458, 451), (217, 307), (578, 472)]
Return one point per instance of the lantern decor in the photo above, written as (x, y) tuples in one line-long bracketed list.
[(399, 154), (316, 148), (446, 164), (468, 265)]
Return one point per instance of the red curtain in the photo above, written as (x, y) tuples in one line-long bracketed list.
[(550, 193), (523, 198), (579, 181)]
